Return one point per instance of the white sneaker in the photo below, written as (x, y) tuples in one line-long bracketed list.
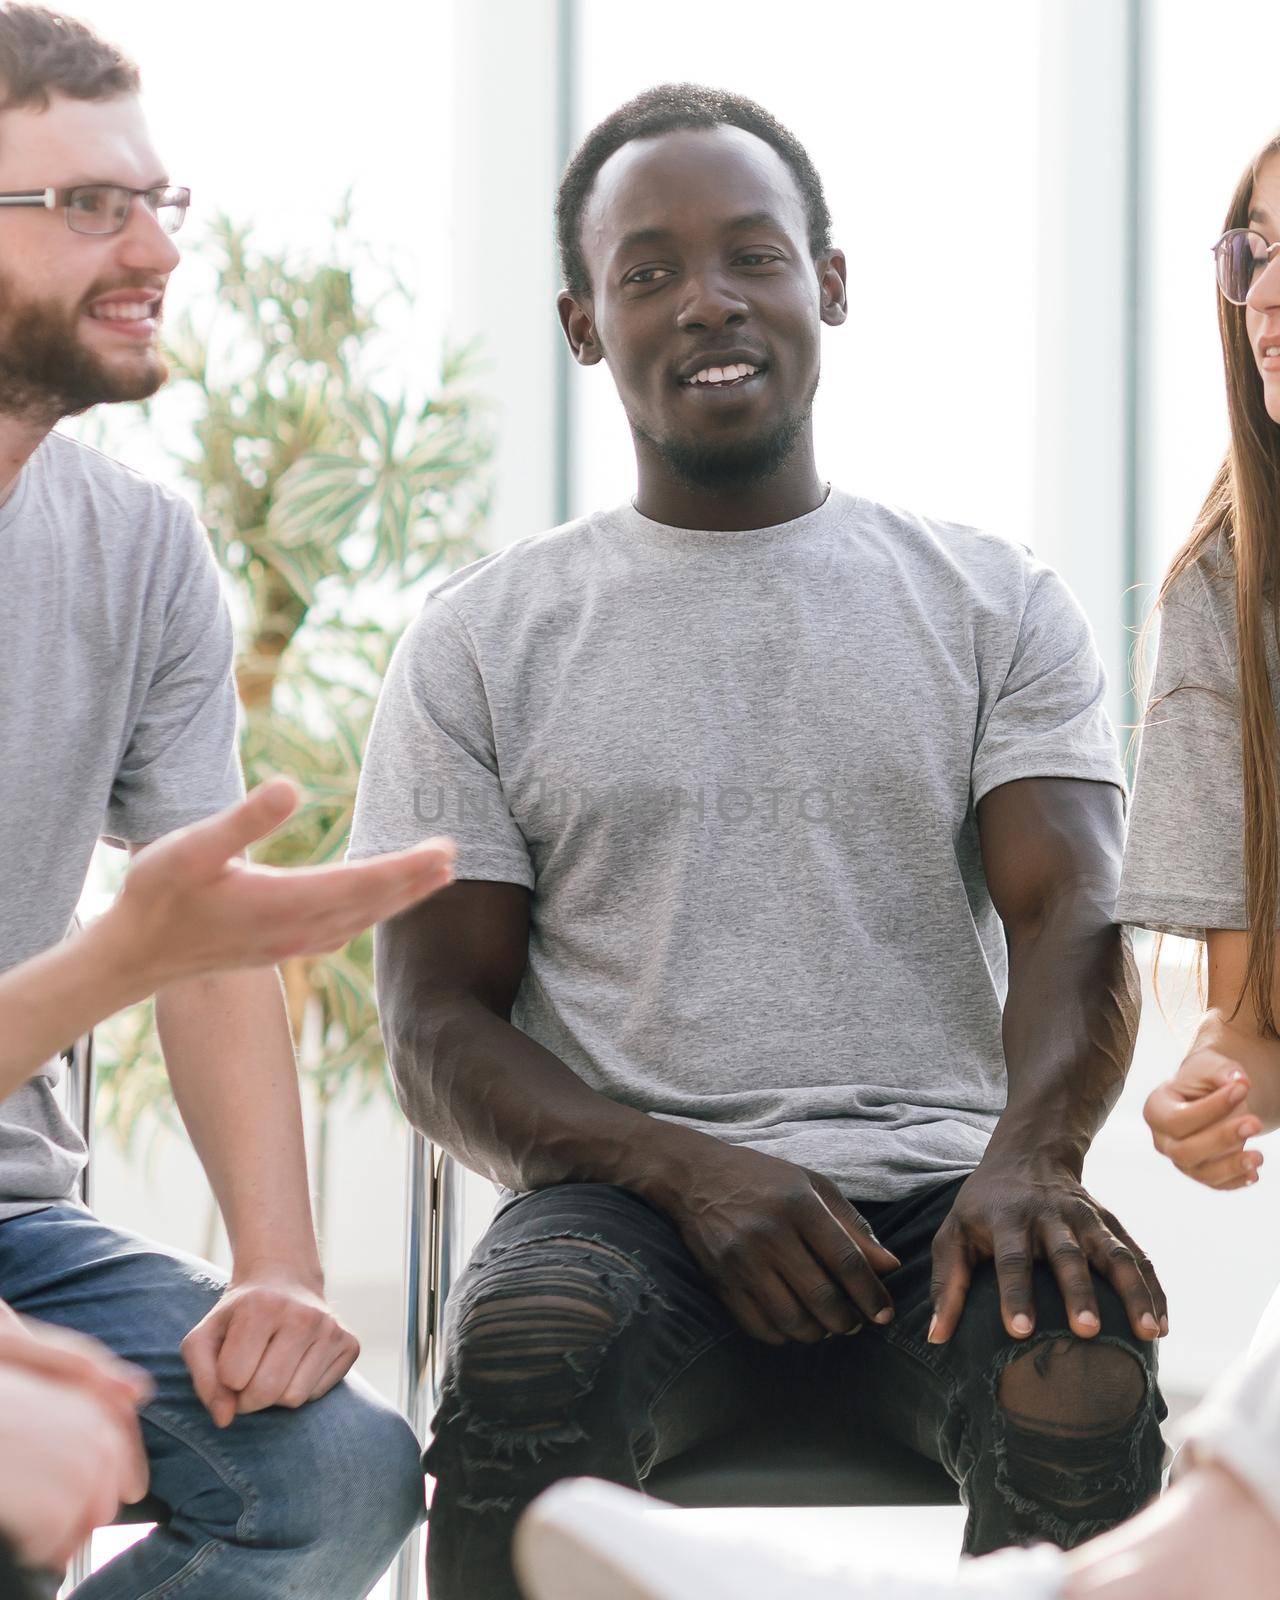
[(587, 1540)]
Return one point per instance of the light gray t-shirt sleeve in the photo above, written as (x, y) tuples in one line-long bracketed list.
[(181, 763), (1184, 858), (432, 764), (1049, 719)]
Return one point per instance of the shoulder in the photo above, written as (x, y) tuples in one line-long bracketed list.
[(1197, 605), (536, 562), (993, 571), (70, 468)]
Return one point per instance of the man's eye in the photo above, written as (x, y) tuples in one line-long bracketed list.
[(89, 200), (758, 258), (647, 274)]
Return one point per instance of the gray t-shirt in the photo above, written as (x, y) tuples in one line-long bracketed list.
[(1184, 856), (117, 719), (738, 771)]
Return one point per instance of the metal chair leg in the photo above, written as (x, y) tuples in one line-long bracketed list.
[(416, 1353), (77, 1571), (78, 1092)]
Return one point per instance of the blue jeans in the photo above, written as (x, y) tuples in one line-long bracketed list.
[(312, 1502)]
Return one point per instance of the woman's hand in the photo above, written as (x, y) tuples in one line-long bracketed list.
[(1204, 1117)]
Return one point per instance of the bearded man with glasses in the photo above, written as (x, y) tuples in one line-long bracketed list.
[(118, 717)]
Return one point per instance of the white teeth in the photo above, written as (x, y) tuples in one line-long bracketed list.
[(132, 311), (1272, 350), (730, 374)]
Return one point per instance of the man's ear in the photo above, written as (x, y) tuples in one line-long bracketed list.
[(578, 322), (834, 301)]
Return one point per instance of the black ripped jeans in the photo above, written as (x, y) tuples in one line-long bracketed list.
[(584, 1339)]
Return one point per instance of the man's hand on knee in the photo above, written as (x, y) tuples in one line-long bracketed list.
[(269, 1341), (781, 1246), (1015, 1215)]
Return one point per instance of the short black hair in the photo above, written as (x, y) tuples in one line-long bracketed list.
[(663, 109)]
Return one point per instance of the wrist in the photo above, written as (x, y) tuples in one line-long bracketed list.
[(1033, 1155), (306, 1271), (118, 967), (662, 1164)]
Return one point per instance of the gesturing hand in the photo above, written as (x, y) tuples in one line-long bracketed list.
[(1014, 1215), (781, 1246), (192, 903), (70, 1448), (270, 1341), (1200, 1119)]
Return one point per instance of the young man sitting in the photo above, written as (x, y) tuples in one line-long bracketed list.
[(780, 988)]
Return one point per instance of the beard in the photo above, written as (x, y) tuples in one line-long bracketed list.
[(46, 370), (744, 464), (741, 465)]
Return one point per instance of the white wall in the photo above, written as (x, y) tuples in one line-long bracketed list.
[(922, 120)]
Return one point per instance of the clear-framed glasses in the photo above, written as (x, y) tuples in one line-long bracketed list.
[(104, 207), (1241, 256)]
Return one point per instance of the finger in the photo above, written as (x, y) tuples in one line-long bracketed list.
[(856, 1293), (1150, 1276), (1012, 1255), (1235, 1183), (1170, 1111), (312, 910), (1069, 1264), (332, 1375), (823, 1296), (750, 1318), (209, 845), (311, 1378), (1113, 1259), (952, 1275), (1223, 1140), (1240, 1169), (128, 1474), (784, 1311), (71, 1357), (328, 929), (352, 887), (200, 1351), (280, 1358), (855, 1225), (136, 1479)]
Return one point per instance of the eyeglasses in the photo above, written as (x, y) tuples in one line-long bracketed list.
[(104, 207), (1241, 256)]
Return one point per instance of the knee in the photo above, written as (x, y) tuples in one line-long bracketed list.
[(533, 1325), (1078, 1438), (1065, 1385), (362, 1466)]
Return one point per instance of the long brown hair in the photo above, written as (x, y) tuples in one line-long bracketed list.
[(1241, 513)]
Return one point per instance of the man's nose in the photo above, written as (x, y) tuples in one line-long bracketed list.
[(709, 301), (142, 245)]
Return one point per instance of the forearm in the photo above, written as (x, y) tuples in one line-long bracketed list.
[(511, 1110), (230, 1058), (1070, 1023), (49, 1001)]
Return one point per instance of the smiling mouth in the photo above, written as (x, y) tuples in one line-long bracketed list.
[(726, 377)]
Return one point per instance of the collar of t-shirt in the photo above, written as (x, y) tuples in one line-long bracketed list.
[(663, 536)]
